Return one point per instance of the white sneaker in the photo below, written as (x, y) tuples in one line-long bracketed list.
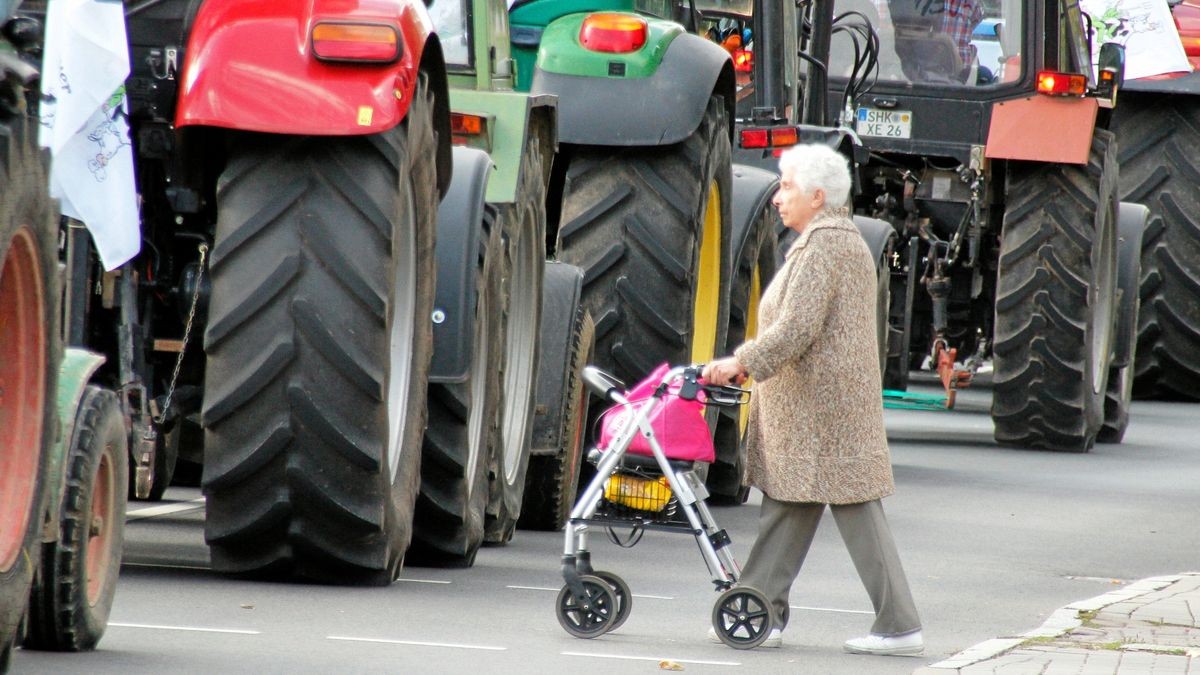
[(881, 645), (774, 638)]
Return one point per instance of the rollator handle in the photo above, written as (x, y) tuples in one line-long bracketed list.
[(602, 383)]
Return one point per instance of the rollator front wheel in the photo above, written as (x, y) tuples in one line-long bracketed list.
[(742, 617), (589, 619), (622, 597)]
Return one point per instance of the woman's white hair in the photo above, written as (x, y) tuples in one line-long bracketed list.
[(816, 166)]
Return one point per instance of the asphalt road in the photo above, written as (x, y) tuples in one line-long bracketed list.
[(993, 540)]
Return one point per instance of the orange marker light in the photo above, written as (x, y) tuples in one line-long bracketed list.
[(613, 33), (464, 125), (372, 43), (784, 136)]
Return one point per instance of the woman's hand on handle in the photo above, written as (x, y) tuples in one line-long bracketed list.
[(724, 371)]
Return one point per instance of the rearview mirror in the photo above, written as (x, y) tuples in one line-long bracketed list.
[(1112, 59)]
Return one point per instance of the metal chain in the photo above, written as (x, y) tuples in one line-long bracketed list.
[(187, 331)]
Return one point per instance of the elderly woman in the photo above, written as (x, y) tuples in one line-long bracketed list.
[(816, 434)]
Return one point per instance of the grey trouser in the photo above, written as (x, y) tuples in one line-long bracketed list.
[(786, 530)]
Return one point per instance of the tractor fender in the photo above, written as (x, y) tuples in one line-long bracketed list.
[(752, 192), (1131, 225), (250, 66), (74, 374), (1164, 84), (877, 233), (512, 118), (661, 109), (459, 236)]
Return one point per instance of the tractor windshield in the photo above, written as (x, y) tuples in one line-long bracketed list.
[(742, 8), (451, 20), (958, 43)]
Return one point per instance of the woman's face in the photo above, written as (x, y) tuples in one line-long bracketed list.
[(796, 206)]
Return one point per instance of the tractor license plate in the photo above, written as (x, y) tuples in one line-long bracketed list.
[(884, 123)]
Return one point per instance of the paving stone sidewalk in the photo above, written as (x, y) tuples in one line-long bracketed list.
[(1150, 627)]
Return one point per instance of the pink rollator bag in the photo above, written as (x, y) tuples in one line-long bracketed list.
[(678, 424)]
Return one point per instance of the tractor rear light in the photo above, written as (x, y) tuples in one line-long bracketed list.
[(355, 42), (769, 137), (755, 138), (612, 32), (1061, 84), (743, 60), (784, 136), (464, 125)]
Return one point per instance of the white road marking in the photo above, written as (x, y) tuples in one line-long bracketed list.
[(194, 629), (832, 609), (416, 643), (652, 658), (424, 581), (555, 590), (164, 509)]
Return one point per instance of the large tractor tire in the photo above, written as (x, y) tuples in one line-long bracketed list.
[(524, 231), (319, 344), (448, 524), (30, 351), (754, 269), (1056, 301), (1160, 167), (567, 339), (649, 227), (73, 594)]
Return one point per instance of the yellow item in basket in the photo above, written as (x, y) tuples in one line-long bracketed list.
[(643, 494)]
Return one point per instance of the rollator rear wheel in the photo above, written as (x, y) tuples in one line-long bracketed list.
[(622, 597), (591, 619), (742, 617)]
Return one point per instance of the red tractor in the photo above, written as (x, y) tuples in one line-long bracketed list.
[(275, 328)]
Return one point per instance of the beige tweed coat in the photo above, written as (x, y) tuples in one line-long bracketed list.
[(816, 429)]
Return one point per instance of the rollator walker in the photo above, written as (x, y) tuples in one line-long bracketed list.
[(643, 485)]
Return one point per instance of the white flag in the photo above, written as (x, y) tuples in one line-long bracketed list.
[(84, 123), (1145, 28)]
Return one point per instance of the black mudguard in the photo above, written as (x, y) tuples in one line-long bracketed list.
[(1131, 225), (661, 109), (1185, 84), (876, 232), (459, 238), (752, 192)]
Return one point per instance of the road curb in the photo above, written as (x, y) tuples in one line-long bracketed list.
[(1061, 621)]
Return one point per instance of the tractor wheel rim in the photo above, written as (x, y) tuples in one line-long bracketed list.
[(1102, 295), (481, 363), (707, 301), (751, 333), (522, 334), (401, 307), (22, 388), (100, 526)]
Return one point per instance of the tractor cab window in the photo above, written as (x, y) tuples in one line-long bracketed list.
[(730, 23), (958, 43), (452, 21)]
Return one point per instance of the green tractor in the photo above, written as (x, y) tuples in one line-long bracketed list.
[(643, 194), (63, 456), (512, 137)]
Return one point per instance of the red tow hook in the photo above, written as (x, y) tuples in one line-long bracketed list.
[(952, 378)]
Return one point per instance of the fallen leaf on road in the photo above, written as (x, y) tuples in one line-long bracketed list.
[(669, 665)]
